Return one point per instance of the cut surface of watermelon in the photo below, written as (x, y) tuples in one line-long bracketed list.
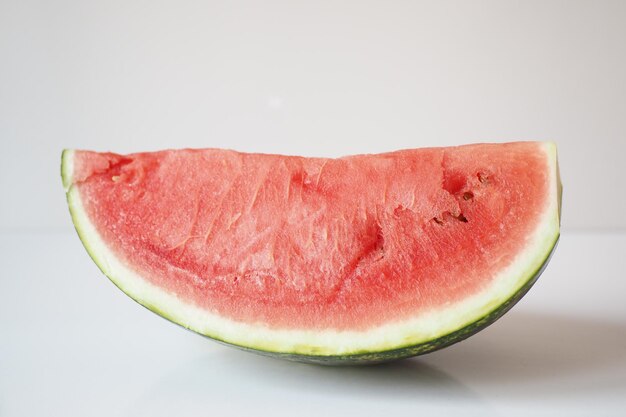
[(360, 258)]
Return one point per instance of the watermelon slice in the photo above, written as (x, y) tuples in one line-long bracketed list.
[(358, 259)]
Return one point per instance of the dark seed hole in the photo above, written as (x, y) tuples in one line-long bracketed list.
[(438, 220), (468, 195), (482, 177), (462, 218)]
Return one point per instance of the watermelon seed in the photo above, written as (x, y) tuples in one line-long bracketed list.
[(482, 177), (460, 218), (468, 195)]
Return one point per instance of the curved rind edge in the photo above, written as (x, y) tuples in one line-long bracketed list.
[(413, 350), (312, 354), (67, 168)]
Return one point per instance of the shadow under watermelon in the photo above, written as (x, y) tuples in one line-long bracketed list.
[(547, 354), (232, 382), (524, 355)]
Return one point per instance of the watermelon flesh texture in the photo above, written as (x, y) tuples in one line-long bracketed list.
[(361, 258)]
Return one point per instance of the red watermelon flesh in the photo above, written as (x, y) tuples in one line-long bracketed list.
[(290, 243)]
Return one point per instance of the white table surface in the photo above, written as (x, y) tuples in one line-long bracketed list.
[(71, 344)]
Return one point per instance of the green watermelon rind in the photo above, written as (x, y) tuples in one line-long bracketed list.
[(412, 350), (310, 353)]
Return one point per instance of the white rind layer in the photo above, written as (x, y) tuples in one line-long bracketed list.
[(420, 329)]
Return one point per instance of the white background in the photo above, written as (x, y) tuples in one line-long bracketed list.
[(323, 78)]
